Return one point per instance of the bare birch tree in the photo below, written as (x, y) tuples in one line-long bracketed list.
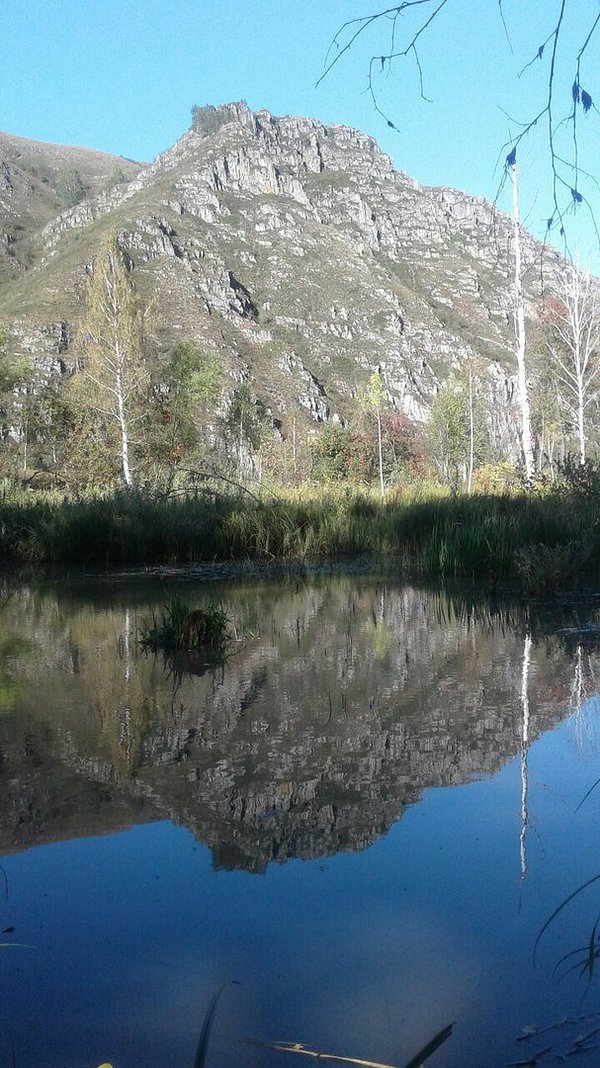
[(521, 339), (370, 398), (114, 375), (574, 347)]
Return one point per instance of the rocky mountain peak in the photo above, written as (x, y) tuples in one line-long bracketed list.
[(295, 252)]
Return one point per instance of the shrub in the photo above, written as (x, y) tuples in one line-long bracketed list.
[(495, 478)]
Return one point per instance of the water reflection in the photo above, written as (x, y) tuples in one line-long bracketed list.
[(345, 700)]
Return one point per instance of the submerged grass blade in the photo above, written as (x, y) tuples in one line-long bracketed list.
[(587, 956), (5, 877), (592, 951), (563, 905), (433, 1044), (585, 797), (567, 956), (530, 1062), (207, 1023)]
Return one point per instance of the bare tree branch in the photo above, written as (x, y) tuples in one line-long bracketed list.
[(363, 24), (505, 27), (565, 173)]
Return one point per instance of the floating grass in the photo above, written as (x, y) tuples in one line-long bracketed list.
[(415, 1062), (298, 1047)]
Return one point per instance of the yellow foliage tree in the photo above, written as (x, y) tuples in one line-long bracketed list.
[(114, 381)]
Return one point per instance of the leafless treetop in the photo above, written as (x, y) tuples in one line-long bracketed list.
[(562, 105)]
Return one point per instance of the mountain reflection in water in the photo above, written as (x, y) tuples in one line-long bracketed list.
[(345, 700)]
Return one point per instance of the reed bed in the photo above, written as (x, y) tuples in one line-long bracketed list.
[(479, 536)]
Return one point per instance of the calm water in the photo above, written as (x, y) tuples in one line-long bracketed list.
[(364, 818)]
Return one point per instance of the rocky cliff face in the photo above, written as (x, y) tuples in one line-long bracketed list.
[(295, 252)]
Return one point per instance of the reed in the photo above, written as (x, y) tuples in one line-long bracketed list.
[(202, 1047), (503, 536)]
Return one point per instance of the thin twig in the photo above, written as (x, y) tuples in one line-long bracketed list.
[(565, 194)]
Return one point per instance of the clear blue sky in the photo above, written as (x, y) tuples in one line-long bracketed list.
[(122, 75)]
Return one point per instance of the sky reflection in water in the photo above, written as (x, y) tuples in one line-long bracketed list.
[(310, 822)]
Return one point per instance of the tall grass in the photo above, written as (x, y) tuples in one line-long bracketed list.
[(478, 536)]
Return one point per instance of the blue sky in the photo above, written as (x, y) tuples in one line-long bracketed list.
[(122, 75)]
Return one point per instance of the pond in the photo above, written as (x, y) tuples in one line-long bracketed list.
[(361, 822)]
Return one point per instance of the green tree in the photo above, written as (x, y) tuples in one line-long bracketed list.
[(329, 454), (71, 188), (193, 384), (372, 399), (113, 385), (195, 375), (13, 370), (547, 412), (60, 437), (247, 418), (456, 430), (14, 374)]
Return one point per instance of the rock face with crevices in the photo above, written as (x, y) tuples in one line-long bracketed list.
[(292, 250)]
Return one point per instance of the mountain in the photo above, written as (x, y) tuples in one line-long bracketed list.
[(291, 250), (33, 176)]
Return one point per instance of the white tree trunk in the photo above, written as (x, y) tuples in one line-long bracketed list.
[(380, 450), (122, 420), (471, 432), (522, 386), (580, 421), (579, 361)]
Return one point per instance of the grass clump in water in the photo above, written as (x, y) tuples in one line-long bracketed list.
[(183, 628)]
